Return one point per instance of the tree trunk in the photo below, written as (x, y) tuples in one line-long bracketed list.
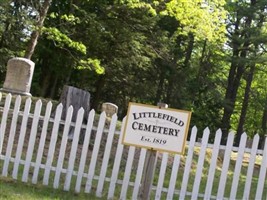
[(189, 50), (54, 87), (236, 72), (36, 33), (249, 80), (99, 86), (201, 75), (242, 118), (45, 82), (263, 125), (171, 81), (234, 79), (3, 37), (264, 119), (159, 88)]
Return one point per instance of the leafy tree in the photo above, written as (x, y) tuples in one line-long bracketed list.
[(148, 51), (60, 49), (14, 21), (41, 15), (244, 21)]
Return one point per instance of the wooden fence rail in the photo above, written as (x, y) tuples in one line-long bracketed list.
[(35, 147)]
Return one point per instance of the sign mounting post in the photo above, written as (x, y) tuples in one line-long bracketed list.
[(156, 128), (149, 169)]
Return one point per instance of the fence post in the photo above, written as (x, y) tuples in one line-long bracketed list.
[(149, 169)]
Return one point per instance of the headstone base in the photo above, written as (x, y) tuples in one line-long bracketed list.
[(15, 92)]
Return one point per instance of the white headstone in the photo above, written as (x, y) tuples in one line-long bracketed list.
[(110, 109), (19, 76), (162, 105)]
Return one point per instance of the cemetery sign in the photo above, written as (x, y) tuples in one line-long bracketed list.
[(156, 128)]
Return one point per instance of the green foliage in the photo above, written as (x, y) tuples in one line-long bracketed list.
[(15, 23), (179, 52), (91, 64), (61, 40), (206, 20)]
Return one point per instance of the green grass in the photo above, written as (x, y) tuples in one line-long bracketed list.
[(11, 189), (16, 190)]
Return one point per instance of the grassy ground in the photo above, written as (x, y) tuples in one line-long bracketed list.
[(10, 189), (16, 190)]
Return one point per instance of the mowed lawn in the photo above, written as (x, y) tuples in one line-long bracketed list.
[(16, 190)]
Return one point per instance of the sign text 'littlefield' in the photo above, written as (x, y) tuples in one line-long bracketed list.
[(156, 128)]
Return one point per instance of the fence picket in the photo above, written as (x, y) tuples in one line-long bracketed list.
[(41, 142), (91, 171), (139, 174), (187, 167), (162, 172), (251, 165), (73, 150), (37, 111), (108, 146), (52, 145), (11, 135), (262, 174), (116, 165), (226, 161), (22, 133), (238, 165), (90, 176), (200, 163), (127, 173), (174, 173), (84, 150), (63, 145), (213, 164), (4, 121)]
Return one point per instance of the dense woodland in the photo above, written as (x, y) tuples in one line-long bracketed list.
[(207, 56)]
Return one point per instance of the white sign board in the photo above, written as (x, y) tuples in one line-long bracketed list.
[(156, 128)]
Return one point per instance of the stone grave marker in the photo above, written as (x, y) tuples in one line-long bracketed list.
[(18, 76), (77, 98), (110, 109)]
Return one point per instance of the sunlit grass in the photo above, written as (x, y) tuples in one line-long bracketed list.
[(10, 189), (16, 190)]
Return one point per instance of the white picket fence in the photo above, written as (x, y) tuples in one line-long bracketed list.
[(35, 148)]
